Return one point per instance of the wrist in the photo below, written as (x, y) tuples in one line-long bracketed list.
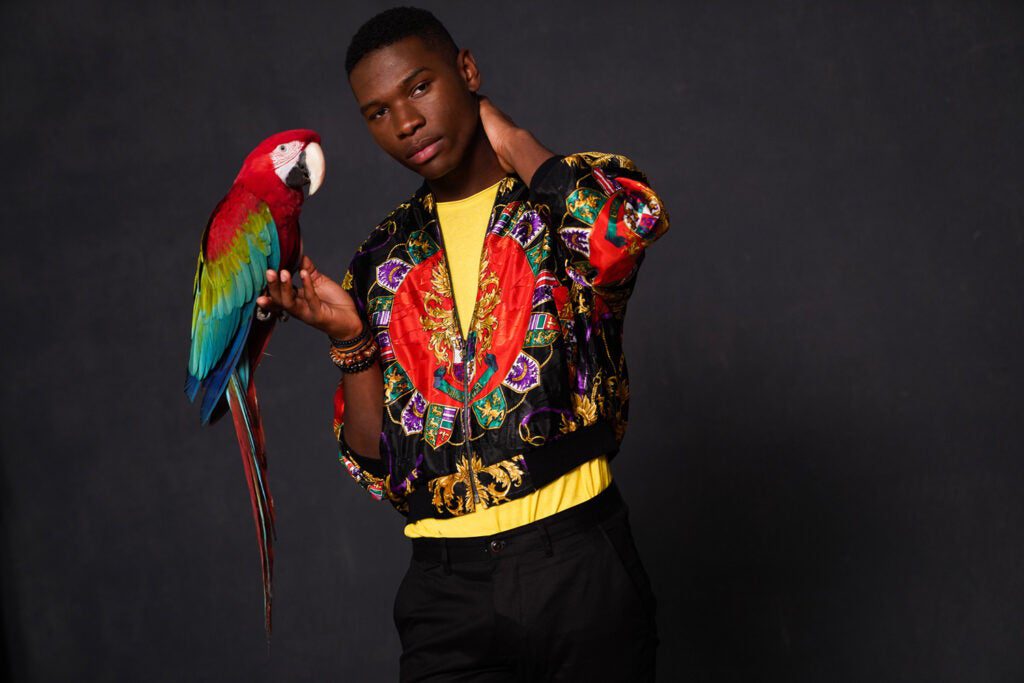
[(344, 332), (525, 153)]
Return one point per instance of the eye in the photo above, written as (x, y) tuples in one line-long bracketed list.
[(376, 113), (421, 85), (282, 148)]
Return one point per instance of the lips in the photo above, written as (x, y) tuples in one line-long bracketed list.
[(424, 150)]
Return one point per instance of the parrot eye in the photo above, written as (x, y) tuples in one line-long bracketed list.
[(282, 148)]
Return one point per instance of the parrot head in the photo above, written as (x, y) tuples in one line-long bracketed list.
[(290, 161)]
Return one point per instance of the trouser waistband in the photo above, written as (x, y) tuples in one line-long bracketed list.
[(539, 533)]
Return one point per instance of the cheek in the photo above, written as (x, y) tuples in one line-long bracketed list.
[(458, 123), (451, 108)]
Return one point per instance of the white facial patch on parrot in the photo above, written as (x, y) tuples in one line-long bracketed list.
[(284, 157)]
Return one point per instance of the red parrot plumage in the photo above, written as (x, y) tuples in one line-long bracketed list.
[(255, 227)]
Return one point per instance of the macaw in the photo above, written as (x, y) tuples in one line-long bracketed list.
[(255, 227)]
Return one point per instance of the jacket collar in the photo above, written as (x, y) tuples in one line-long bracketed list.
[(424, 205)]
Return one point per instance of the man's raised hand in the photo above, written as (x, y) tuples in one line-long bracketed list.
[(516, 148), (499, 129), (320, 302)]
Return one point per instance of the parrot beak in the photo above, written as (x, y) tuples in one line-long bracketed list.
[(314, 158)]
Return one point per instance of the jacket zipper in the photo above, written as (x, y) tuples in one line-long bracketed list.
[(467, 347)]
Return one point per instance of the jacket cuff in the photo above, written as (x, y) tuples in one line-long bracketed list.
[(375, 466)]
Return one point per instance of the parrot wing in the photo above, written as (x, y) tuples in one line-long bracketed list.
[(239, 244)]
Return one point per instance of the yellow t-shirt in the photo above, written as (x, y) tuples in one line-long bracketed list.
[(464, 224)]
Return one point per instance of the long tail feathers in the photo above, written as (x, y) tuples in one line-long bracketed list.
[(249, 430)]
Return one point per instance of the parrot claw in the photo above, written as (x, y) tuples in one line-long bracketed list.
[(264, 315)]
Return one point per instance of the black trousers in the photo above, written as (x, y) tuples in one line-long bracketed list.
[(565, 598)]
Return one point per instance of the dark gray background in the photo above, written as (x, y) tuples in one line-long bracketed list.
[(824, 459)]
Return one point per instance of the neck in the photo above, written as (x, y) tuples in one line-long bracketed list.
[(479, 170)]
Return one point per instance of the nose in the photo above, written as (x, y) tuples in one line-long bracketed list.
[(407, 120)]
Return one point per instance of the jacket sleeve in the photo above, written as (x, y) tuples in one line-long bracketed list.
[(370, 473), (604, 212)]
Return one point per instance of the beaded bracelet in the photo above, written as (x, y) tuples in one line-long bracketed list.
[(349, 343), (356, 354), (358, 361)]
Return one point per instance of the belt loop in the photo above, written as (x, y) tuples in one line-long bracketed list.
[(444, 556), (546, 538)]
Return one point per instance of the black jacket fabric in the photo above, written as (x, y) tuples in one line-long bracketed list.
[(540, 383)]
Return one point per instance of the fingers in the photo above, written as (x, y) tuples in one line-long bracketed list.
[(309, 292), (287, 293), (308, 266), (280, 294), (273, 287), (271, 300), (303, 302), (315, 276)]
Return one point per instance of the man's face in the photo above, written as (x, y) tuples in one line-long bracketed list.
[(419, 104)]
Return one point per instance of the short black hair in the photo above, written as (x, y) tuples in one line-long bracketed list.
[(392, 25)]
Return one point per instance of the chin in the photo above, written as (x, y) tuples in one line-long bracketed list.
[(438, 167)]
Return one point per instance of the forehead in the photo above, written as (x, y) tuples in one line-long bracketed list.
[(382, 70)]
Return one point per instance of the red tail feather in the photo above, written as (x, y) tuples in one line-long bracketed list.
[(249, 431)]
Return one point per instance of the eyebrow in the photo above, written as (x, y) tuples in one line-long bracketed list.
[(401, 83)]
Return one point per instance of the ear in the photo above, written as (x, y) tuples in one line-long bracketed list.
[(466, 65)]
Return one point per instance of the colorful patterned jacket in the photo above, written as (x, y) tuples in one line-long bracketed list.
[(540, 385)]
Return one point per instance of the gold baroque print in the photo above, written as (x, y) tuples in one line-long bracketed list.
[(439, 321), (486, 322), (589, 200), (534, 440), (393, 382), (428, 202), (599, 159), (490, 411), (618, 391), (585, 408), (400, 500), (580, 299), (506, 184), (454, 492), (578, 304)]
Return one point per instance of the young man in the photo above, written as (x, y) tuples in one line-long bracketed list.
[(484, 389)]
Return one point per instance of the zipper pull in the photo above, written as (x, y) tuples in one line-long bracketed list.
[(457, 351)]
